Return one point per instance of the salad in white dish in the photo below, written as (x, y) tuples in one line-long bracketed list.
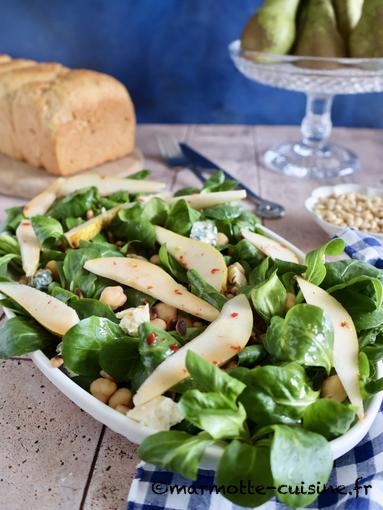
[(179, 312)]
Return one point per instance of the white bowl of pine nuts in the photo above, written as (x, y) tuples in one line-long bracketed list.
[(347, 205)]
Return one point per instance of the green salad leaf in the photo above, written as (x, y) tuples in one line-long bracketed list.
[(305, 335), (79, 278), (181, 218), (176, 450), (171, 265), (276, 394), (81, 345), (208, 377), (48, 231), (14, 218), (21, 335), (269, 297), (155, 345), (251, 355), (87, 307), (75, 204), (204, 290), (328, 418), (214, 413), (315, 260), (309, 460), (120, 358), (241, 462), (217, 182)]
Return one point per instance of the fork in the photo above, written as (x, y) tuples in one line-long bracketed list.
[(174, 157)]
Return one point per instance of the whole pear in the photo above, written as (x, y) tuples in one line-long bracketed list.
[(348, 14), (366, 40), (272, 28), (320, 36)]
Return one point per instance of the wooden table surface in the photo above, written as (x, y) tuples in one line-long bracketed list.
[(53, 455)]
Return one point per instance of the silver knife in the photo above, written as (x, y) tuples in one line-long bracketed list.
[(264, 208)]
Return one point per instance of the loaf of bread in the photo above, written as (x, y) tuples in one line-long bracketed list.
[(60, 119)]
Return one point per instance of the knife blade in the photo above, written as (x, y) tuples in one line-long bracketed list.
[(264, 208)]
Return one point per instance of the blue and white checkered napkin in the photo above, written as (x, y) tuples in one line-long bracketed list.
[(154, 488)]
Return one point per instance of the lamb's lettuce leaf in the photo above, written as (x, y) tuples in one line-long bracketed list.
[(176, 451), (82, 344), (75, 204), (315, 260), (204, 290), (276, 394), (21, 335), (181, 218), (305, 335), (120, 358), (269, 298), (48, 231), (155, 345), (328, 418)]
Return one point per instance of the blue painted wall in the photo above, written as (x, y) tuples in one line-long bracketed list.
[(172, 55)]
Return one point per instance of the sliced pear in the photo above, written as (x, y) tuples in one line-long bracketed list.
[(193, 254), (220, 341), (50, 312), (107, 185), (204, 200), (269, 247), (42, 202), (86, 231), (346, 345), (29, 247), (151, 279)]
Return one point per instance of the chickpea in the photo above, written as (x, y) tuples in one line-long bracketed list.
[(89, 214), (56, 361), (103, 389), (155, 259), (122, 396), (332, 388), (113, 296), (290, 300), (222, 238), (122, 409), (165, 312), (159, 323), (52, 266)]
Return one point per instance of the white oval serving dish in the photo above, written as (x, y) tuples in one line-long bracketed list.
[(137, 433), (338, 189)]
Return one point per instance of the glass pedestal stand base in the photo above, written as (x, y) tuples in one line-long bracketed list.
[(301, 160)]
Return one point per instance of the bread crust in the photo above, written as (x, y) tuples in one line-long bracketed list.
[(10, 82), (64, 120)]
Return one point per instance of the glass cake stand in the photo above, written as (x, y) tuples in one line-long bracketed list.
[(321, 79)]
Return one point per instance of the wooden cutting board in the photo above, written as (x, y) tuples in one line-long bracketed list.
[(19, 179)]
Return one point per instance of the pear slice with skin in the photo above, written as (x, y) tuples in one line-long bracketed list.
[(151, 279), (86, 231), (42, 202), (29, 247), (221, 341), (193, 254), (270, 247), (107, 185), (50, 312), (346, 345), (204, 200)]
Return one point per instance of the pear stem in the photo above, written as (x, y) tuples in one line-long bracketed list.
[(316, 125)]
